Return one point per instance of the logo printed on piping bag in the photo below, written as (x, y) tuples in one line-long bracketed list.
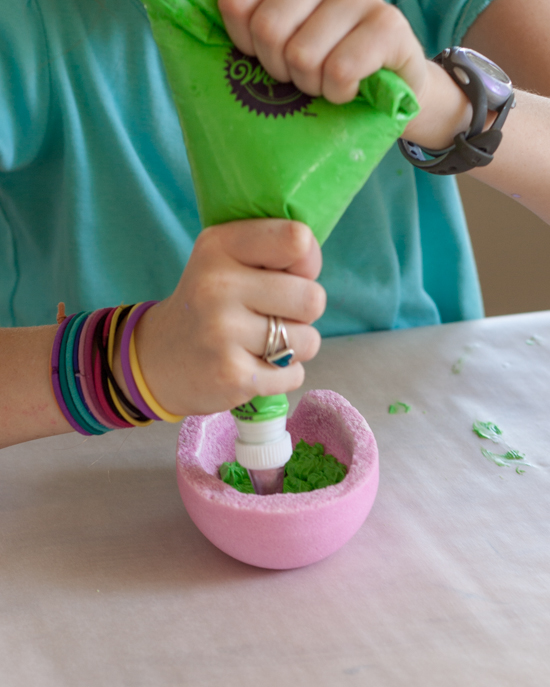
[(255, 89)]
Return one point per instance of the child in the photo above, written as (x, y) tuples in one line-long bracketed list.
[(98, 209)]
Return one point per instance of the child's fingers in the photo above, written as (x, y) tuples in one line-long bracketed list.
[(249, 376), (309, 47), (250, 331), (272, 25), (273, 244), (283, 295), (391, 44), (236, 16), (268, 380)]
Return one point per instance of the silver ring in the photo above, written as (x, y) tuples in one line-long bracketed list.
[(277, 352)]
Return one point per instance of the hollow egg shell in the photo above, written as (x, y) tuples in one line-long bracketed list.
[(280, 531)]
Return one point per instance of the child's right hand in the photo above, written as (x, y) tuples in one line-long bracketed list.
[(201, 349)]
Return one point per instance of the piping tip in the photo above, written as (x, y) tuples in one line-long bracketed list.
[(267, 481)]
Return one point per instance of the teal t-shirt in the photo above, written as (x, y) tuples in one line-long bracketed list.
[(96, 199)]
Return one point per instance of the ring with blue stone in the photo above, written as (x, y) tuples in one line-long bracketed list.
[(277, 350)]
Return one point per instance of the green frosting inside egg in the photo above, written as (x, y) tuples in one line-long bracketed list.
[(309, 468)]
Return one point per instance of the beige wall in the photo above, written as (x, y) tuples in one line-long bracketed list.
[(512, 248)]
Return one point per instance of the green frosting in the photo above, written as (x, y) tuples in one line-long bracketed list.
[(398, 407), (487, 430), (262, 408), (235, 475), (507, 459), (309, 468), (457, 367)]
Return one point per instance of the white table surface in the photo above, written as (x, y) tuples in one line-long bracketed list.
[(105, 581)]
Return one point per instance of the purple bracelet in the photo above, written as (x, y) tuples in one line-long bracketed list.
[(56, 386), (125, 359)]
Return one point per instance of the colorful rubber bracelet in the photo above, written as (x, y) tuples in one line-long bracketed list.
[(56, 384), (80, 411), (135, 414), (102, 369), (113, 386), (98, 383), (97, 372), (81, 367), (65, 386), (87, 371), (107, 374), (75, 360), (99, 376), (135, 313), (144, 389), (70, 371)]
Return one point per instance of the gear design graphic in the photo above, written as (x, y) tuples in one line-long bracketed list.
[(255, 89)]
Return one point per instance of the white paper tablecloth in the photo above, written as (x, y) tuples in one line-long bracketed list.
[(104, 580)]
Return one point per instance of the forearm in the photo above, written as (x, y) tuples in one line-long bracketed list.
[(28, 409), (27, 406), (521, 166)]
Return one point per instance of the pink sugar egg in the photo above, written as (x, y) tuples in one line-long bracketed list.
[(280, 531)]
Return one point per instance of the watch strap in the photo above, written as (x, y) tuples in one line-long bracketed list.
[(465, 154), (471, 148)]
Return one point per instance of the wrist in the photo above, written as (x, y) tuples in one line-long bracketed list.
[(151, 353), (445, 111)]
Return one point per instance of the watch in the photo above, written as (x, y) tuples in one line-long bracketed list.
[(488, 88)]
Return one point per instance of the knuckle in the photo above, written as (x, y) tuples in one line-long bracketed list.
[(205, 241), (231, 376), (390, 18), (211, 288), (235, 9), (315, 299), (297, 378), (299, 56), (312, 344), (297, 238), (266, 26), (340, 69)]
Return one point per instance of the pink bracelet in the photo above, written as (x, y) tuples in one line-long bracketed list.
[(107, 412)]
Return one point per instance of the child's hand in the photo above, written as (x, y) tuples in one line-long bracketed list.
[(200, 350), (326, 46)]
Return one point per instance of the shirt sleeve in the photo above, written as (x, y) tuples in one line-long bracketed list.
[(440, 24), (24, 83)]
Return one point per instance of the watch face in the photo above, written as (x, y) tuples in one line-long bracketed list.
[(496, 83), (490, 68)]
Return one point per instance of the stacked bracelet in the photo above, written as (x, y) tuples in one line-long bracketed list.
[(82, 378)]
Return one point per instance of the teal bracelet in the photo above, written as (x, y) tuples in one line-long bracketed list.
[(84, 413), (64, 383)]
